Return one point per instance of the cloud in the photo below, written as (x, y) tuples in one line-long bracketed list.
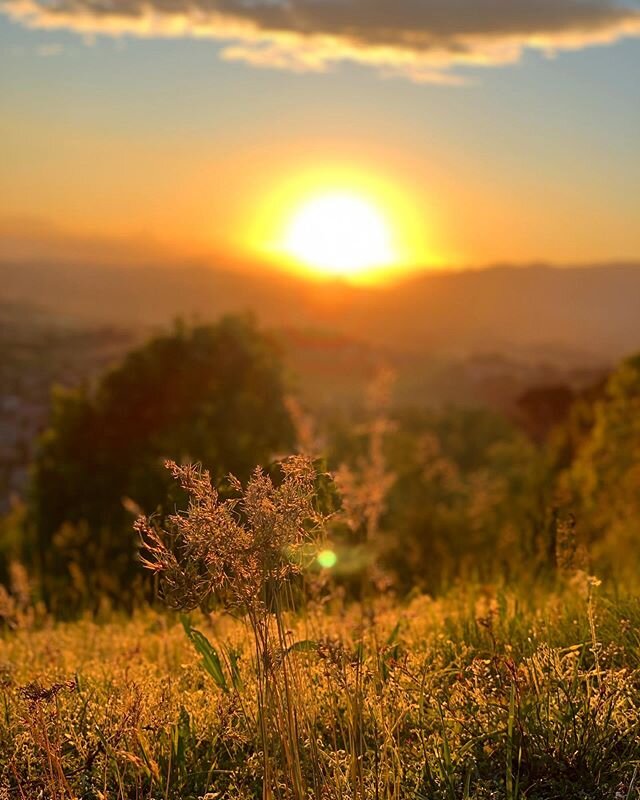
[(425, 40)]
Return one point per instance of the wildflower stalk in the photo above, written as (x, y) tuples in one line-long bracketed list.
[(243, 553)]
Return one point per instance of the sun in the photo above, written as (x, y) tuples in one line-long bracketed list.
[(340, 233), (340, 220)]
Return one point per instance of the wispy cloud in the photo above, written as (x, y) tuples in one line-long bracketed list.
[(425, 40)]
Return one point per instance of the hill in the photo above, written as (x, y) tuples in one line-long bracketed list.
[(577, 315)]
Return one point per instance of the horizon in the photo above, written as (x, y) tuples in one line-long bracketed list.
[(573, 315), (59, 250)]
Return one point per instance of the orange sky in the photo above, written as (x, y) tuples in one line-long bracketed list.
[(155, 146)]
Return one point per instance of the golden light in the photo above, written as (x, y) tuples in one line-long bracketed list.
[(341, 234), (340, 221)]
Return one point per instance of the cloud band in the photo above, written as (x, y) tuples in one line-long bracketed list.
[(425, 40)]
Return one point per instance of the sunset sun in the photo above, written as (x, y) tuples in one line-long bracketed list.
[(340, 234)]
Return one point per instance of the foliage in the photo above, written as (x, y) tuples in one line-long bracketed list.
[(603, 481), (233, 549), (296, 681), (455, 486), (212, 394), (244, 552), (13, 547), (480, 694), (430, 497)]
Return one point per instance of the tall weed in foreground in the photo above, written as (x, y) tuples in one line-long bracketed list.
[(244, 553)]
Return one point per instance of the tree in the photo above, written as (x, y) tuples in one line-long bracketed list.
[(541, 409), (468, 502), (209, 394), (604, 480)]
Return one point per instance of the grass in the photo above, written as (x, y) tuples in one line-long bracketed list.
[(288, 690), (482, 693)]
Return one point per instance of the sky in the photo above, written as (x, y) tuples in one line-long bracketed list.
[(485, 130)]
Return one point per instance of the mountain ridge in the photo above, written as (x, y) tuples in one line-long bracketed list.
[(594, 309)]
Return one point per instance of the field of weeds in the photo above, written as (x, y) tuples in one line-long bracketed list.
[(482, 693), (286, 664)]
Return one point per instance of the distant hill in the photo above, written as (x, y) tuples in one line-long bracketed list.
[(575, 315)]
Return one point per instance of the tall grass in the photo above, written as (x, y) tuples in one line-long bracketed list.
[(262, 681), (479, 694), (244, 553)]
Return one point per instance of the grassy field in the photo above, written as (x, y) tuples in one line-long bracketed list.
[(482, 693), (294, 659)]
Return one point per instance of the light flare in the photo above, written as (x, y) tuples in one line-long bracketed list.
[(327, 559)]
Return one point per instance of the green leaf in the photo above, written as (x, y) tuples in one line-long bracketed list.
[(210, 658), (236, 677)]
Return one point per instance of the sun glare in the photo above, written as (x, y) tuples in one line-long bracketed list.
[(340, 233), (340, 221)]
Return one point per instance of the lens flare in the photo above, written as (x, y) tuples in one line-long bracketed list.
[(327, 559)]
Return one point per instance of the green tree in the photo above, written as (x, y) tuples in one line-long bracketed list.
[(468, 497), (604, 479), (209, 394), (469, 500)]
